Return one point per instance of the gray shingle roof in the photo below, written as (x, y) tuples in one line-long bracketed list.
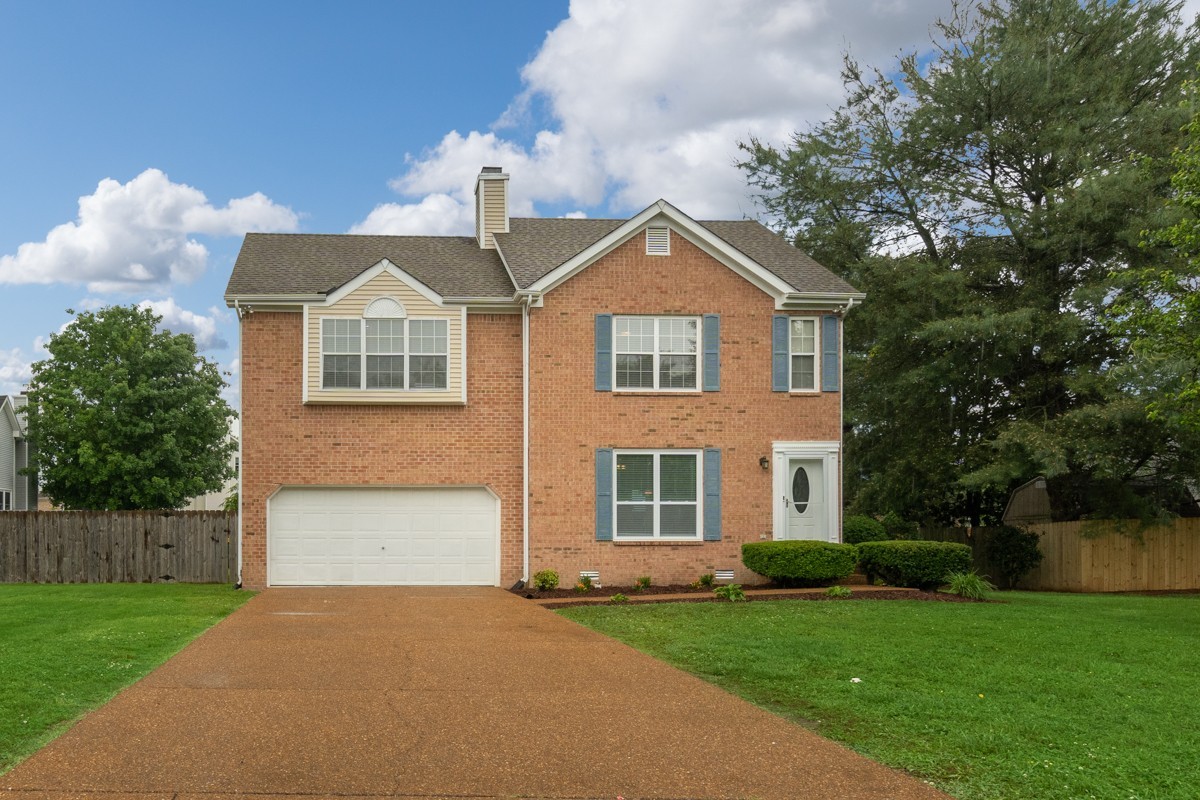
[(306, 263), (455, 266)]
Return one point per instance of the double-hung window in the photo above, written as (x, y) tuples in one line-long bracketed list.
[(5, 501), (803, 354), (656, 352), (374, 354), (657, 495)]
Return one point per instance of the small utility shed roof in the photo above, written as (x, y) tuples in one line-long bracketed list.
[(275, 264)]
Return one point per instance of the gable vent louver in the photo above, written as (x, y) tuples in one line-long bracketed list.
[(658, 241)]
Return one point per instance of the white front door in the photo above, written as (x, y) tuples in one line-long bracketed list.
[(804, 496)]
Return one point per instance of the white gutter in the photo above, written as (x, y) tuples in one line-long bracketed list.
[(241, 438), (842, 411), (525, 437)]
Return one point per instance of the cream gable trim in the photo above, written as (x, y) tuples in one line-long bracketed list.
[(679, 222), (373, 272)]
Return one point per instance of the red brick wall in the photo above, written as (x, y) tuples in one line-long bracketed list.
[(570, 419), (288, 443)]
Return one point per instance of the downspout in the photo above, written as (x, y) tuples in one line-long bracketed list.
[(241, 438), (525, 436), (842, 415)]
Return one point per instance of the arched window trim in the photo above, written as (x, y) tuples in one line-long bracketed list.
[(386, 307)]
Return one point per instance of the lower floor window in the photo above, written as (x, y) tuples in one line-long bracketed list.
[(657, 494), (5, 501)]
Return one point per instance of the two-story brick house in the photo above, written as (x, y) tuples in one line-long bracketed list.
[(625, 397)]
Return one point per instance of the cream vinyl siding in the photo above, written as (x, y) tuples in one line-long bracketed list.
[(417, 307), (495, 209)]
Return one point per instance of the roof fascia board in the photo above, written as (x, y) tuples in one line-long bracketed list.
[(708, 241), (271, 299), (17, 431), (373, 272), (819, 301)]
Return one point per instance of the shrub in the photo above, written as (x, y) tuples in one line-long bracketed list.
[(923, 565), (1012, 552), (545, 580), (803, 563), (642, 583), (861, 528), (705, 581), (897, 527), (838, 591), (968, 584), (731, 592), (618, 598), (584, 585)]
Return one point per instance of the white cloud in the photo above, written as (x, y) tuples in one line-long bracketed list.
[(649, 100), (15, 371), (137, 235), (179, 320)]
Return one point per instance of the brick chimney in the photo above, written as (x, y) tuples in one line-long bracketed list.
[(491, 206)]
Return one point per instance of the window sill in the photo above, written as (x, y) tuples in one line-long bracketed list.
[(656, 542), (660, 392)]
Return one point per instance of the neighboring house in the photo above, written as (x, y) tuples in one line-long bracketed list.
[(660, 389), (17, 492), (215, 501)]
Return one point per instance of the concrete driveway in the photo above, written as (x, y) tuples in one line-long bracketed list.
[(434, 692)]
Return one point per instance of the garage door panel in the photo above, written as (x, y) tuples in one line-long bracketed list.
[(361, 536)]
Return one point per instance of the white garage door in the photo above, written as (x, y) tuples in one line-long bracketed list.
[(382, 537)]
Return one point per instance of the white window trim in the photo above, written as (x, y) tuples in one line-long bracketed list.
[(658, 501), (362, 354), (657, 354), (816, 354), (6, 500)]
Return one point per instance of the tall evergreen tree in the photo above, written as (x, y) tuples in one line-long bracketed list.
[(984, 198)]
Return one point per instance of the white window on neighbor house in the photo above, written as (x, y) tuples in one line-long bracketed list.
[(803, 354), (5, 500), (656, 353), (656, 495), (385, 351)]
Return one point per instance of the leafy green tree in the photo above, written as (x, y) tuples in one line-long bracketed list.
[(1160, 306), (124, 416), (983, 198)]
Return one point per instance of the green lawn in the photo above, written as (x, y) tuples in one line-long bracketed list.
[(67, 649), (1041, 696)]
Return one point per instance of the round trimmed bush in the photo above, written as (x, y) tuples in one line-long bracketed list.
[(919, 564), (804, 563), (861, 528)]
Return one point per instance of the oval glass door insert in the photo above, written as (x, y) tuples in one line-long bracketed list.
[(800, 490)]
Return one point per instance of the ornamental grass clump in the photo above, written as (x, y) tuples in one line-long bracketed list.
[(919, 564), (800, 563), (969, 585)]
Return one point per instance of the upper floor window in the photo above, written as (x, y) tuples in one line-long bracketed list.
[(385, 350), (803, 354), (656, 352)]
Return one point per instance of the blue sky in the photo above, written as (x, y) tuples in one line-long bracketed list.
[(140, 141)]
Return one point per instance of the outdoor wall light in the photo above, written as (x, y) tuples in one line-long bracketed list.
[(764, 462)]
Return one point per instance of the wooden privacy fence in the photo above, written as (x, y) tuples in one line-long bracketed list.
[(1164, 557), (118, 546)]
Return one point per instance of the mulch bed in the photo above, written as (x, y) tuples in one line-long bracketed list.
[(688, 595)]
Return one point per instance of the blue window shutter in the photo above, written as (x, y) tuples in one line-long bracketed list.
[(712, 352), (604, 494), (604, 352), (712, 495), (829, 353), (779, 353)]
